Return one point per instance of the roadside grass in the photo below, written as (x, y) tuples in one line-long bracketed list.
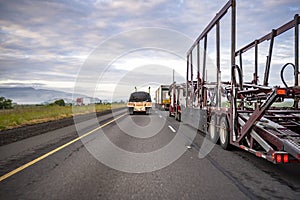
[(26, 115)]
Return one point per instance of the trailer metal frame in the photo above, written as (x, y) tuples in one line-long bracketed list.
[(251, 122)]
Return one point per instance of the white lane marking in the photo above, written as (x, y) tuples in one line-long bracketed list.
[(160, 116), (172, 129)]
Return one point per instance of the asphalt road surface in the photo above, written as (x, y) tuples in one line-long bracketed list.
[(137, 157)]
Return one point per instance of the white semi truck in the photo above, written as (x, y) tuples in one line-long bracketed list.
[(162, 98)]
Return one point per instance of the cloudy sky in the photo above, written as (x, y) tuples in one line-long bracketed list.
[(100, 46)]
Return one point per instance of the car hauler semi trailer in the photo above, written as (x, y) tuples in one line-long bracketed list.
[(253, 115)]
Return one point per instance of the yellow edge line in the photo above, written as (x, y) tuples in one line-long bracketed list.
[(5, 176)]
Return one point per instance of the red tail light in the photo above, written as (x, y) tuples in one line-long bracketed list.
[(278, 158), (281, 91)]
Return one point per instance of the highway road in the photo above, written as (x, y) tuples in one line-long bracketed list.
[(122, 156)]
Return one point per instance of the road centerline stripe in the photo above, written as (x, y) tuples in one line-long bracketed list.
[(11, 173), (172, 129)]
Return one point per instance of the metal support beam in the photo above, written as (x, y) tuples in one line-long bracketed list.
[(269, 58), (203, 72), (198, 72), (255, 78), (233, 116), (218, 94), (187, 79), (192, 76), (204, 59), (257, 138), (296, 24), (257, 115), (233, 32), (198, 61), (241, 62), (191, 66)]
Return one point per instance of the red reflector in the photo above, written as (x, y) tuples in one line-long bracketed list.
[(278, 158), (285, 158), (281, 91), (258, 154), (179, 108)]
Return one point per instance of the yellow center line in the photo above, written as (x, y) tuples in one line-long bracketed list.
[(5, 176)]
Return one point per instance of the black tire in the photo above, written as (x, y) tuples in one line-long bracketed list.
[(212, 129), (130, 111), (147, 111), (178, 117), (224, 134)]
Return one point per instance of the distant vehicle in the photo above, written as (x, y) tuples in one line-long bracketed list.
[(139, 102), (162, 98)]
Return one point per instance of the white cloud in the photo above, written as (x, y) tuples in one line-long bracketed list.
[(55, 38), (39, 83)]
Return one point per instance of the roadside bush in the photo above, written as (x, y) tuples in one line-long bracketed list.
[(5, 103), (60, 102)]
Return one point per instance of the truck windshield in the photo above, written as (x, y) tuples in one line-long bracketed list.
[(140, 96)]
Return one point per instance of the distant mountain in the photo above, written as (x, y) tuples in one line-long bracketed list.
[(29, 95)]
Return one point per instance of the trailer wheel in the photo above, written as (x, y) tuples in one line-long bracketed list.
[(224, 134), (212, 129), (178, 116)]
